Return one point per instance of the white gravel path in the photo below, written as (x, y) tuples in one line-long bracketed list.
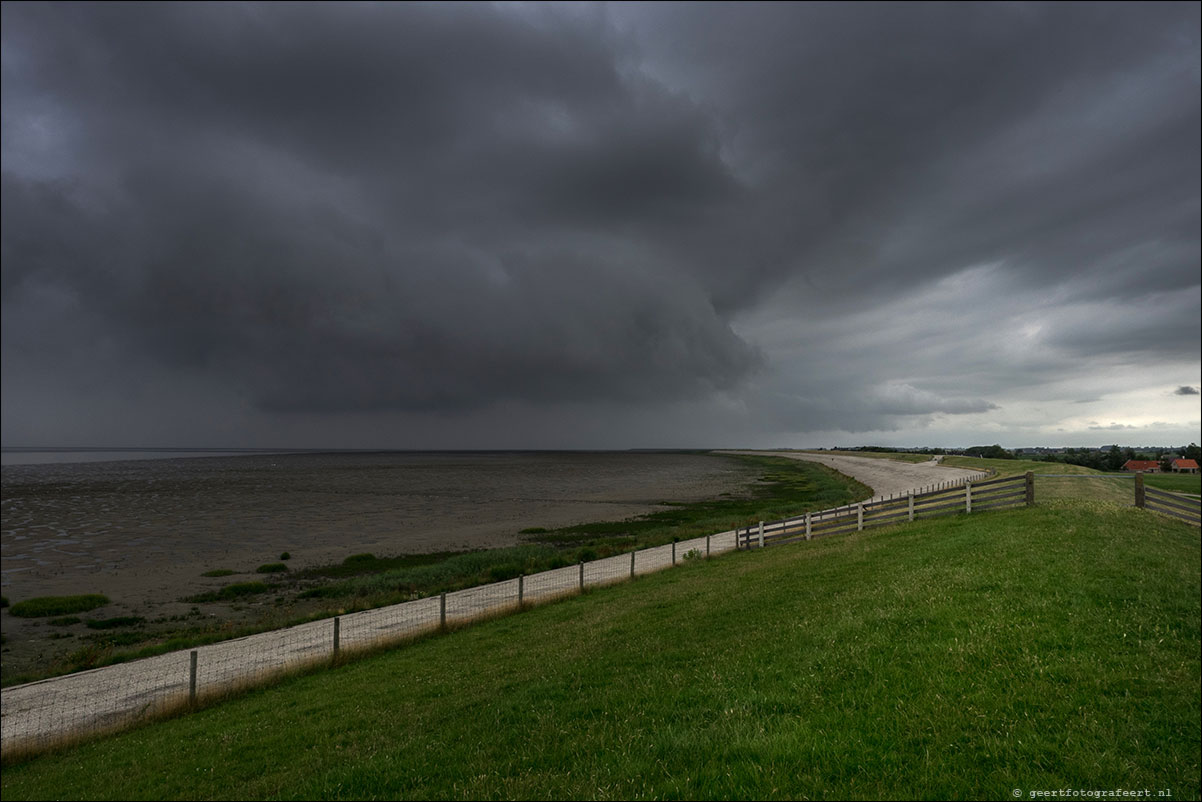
[(886, 477)]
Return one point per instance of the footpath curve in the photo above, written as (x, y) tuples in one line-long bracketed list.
[(886, 477)]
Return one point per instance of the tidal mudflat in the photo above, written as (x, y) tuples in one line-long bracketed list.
[(144, 532)]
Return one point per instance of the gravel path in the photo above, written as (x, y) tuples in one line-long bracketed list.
[(886, 477)]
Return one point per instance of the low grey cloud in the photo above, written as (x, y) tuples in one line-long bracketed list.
[(902, 399), (1186, 390), (784, 218)]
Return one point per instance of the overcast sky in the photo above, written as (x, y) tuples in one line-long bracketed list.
[(600, 226)]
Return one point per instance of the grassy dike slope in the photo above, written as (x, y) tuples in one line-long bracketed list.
[(1033, 649)]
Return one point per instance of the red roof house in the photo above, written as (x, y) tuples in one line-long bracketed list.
[(1185, 465), (1145, 465)]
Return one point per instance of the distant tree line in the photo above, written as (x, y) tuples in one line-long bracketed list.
[(892, 450), (1111, 459), (989, 452), (1114, 458), (992, 452)]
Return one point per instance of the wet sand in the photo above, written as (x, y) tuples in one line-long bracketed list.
[(142, 532)]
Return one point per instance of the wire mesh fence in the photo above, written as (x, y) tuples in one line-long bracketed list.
[(61, 710)]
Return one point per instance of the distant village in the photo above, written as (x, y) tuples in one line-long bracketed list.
[(1135, 459)]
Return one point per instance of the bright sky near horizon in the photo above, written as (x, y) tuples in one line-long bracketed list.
[(601, 225)]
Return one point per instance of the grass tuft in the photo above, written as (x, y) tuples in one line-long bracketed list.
[(58, 605), (229, 592)]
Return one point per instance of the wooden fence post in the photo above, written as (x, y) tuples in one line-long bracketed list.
[(1030, 488), (860, 516), (911, 495), (442, 611), (582, 576), (761, 534), (632, 565), (521, 589), (1139, 490), (192, 678), (968, 496), (674, 551), (807, 526), (337, 635)]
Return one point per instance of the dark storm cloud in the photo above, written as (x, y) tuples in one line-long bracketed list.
[(1186, 390), (351, 208), (901, 141), (343, 208)]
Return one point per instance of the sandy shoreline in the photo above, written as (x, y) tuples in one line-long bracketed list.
[(886, 477), (143, 533)]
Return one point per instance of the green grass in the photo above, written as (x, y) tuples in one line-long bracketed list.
[(786, 487), (271, 568), (1068, 481), (1175, 482), (229, 592), (219, 572), (449, 573), (363, 564), (58, 605), (1042, 648)]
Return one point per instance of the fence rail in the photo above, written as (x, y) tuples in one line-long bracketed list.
[(974, 494), (1184, 506), (1179, 505)]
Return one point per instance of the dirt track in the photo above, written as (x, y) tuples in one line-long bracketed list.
[(885, 476)]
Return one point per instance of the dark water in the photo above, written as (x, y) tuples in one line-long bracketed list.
[(121, 527)]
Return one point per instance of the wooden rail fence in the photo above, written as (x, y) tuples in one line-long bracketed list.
[(1179, 505), (1184, 506), (966, 497)]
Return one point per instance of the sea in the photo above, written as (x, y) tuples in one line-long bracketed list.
[(73, 519)]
